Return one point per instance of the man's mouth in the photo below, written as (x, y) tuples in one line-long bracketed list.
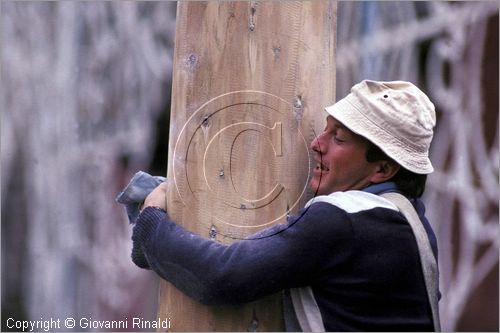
[(321, 167)]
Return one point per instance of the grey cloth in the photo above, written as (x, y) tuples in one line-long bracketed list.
[(133, 195)]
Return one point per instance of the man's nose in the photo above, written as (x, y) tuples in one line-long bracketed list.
[(317, 144)]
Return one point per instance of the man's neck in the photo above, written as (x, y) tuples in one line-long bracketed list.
[(381, 188)]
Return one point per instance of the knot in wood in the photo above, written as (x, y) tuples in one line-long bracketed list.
[(204, 122), (192, 59), (213, 232), (298, 102)]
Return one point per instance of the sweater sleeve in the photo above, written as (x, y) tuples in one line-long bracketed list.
[(283, 256)]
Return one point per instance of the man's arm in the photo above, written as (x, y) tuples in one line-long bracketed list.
[(283, 256)]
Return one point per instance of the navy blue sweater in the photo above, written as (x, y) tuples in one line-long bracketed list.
[(357, 252)]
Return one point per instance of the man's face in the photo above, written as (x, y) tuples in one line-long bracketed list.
[(340, 160)]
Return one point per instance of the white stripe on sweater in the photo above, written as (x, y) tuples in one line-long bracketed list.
[(354, 201)]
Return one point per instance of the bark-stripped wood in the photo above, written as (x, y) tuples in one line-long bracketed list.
[(249, 85)]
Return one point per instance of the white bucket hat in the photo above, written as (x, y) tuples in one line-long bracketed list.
[(396, 116)]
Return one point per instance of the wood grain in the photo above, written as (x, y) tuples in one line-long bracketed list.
[(250, 83)]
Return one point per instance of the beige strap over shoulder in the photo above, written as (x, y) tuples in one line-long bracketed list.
[(307, 310), (427, 260)]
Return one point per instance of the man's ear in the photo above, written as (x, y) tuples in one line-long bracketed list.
[(384, 170)]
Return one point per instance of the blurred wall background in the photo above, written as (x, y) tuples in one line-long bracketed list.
[(85, 103), (85, 93)]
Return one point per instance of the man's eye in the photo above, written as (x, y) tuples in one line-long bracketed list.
[(337, 139)]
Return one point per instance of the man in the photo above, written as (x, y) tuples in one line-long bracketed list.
[(350, 248)]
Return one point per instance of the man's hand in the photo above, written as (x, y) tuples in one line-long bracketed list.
[(157, 198)]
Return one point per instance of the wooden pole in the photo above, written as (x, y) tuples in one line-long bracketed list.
[(250, 83)]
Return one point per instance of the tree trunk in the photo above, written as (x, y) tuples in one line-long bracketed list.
[(250, 83)]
